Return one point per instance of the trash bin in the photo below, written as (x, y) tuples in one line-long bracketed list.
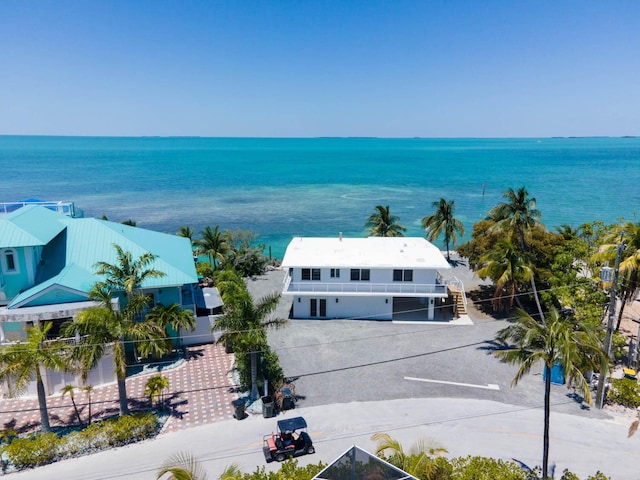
[(267, 406), (238, 405)]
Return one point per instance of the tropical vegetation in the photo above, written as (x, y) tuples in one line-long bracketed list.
[(551, 341), (106, 327), (244, 326), (381, 223), (21, 362), (43, 448), (443, 222)]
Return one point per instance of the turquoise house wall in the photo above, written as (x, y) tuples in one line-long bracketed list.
[(167, 295), (22, 277)]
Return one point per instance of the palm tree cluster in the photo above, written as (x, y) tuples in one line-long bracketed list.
[(237, 249), (381, 223), (244, 326), (513, 248), (99, 330)]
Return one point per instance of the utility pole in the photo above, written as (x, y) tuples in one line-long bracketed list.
[(609, 334)]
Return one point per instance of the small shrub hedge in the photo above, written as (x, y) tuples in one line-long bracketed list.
[(432, 468), (625, 391), (43, 448)]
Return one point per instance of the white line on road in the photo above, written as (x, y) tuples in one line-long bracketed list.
[(490, 386)]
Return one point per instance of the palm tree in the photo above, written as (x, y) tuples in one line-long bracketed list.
[(214, 244), (155, 387), (508, 268), (244, 325), (127, 274), (173, 316), (629, 234), (182, 466), (186, 232), (70, 389), (103, 325), (382, 224), (416, 461), (518, 214), (552, 341), (443, 221), (20, 362), (88, 389)]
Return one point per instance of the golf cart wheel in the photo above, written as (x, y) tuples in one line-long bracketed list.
[(280, 457), (311, 450)]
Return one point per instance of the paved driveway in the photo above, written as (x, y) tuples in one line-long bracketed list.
[(334, 361)]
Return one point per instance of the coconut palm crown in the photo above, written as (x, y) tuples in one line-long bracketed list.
[(443, 222), (517, 214), (382, 223)]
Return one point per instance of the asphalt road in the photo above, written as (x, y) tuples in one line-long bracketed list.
[(336, 361), (352, 380)]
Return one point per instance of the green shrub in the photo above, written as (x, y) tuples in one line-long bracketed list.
[(624, 391), (30, 452), (205, 269), (26, 452), (482, 468), (130, 428), (619, 346)]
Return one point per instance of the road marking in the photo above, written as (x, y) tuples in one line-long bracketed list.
[(490, 386)]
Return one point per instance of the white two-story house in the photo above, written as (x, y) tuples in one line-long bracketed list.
[(376, 278)]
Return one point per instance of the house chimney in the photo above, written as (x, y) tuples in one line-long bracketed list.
[(340, 236)]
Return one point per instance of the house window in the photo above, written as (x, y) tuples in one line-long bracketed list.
[(318, 307), (9, 262), (403, 275), (335, 273), (360, 274), (310, 274)]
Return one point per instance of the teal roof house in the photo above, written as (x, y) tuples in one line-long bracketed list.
[(47, 265)]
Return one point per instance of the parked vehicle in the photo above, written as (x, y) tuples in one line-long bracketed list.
[(291, 440)]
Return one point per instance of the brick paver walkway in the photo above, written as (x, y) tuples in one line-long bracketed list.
[(200, 391)]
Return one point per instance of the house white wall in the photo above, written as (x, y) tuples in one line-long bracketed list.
[(360, 307)]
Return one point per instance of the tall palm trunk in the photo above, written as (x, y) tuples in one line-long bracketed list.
[(122, 396), (547, 414), (522, 244), (121, 374), (254, 375), (42, 402)]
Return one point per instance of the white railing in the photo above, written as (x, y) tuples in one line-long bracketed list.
[(66, 208), (456, 282), (365, 288)]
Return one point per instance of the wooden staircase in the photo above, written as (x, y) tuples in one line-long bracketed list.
[(459, 300)]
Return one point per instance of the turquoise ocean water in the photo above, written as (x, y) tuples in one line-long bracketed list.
[(282, 188)]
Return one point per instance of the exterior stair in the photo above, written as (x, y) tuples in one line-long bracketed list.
[(459, 299)]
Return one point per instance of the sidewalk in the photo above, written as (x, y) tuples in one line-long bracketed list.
[(462, 426), (200, 392)]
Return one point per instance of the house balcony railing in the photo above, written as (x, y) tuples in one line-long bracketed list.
[(366, 288), (65, 208)]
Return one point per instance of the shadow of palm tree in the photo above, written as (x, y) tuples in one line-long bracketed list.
[(491, 346), (195, 354)]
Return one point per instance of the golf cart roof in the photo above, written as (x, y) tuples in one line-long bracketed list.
[(291, 424)]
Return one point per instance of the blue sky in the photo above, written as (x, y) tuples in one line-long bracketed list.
[(320, 68)]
